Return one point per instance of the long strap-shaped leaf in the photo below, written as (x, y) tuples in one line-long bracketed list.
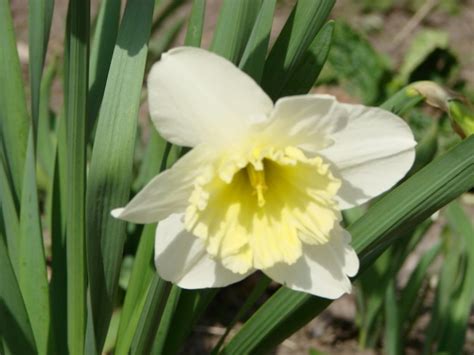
[(32, 276), (148, 325), (40, 15), (102, 47), (16, 336), (18, 151), (14, 124), (392, 343), (15, 328), (191, 305), (32, 266), (195, 25), (235, 23), (10, 217), (311, 63), (305, 21), (252, 298), (46, 140), (253, 58), (408, 204), (409, 299), (110, 171), (164, 328), (140, 278), (58, 284), (143, 272), (76, 73), (450, 278), (452, 339)]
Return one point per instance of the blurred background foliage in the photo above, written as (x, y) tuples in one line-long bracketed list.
[(417, 297)]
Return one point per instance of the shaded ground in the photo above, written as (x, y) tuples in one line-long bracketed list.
[(391, 32)]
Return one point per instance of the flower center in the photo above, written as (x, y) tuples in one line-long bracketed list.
[(257, 181), (256, 210)]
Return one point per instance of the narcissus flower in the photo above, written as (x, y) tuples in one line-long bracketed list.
[(263, 186)]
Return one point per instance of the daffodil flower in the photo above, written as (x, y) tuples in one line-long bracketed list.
[(263, 186)]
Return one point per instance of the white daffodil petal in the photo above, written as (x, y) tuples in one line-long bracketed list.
[(181, 258), (196, 96), (371, 154), (306, 121), (341, 249), (168, 192), (323, 270)]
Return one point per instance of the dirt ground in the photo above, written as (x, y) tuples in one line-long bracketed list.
[(334, 331)]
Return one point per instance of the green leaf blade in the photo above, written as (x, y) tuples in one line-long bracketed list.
[(305, 21), (76, 73), (253, 58), (311, 63), (16, 335), (460, 303), (110, 171), (392, 338), (102, 47), (40, 15), (140, 278), (234, 25), (57, 223), (32, 264), (45, 142), (14, 120), (196, 24), (148, 324), (164, 327), (15, 328), (410, 292), (10, 217)]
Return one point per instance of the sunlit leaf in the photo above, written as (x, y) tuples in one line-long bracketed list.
[(110, 172), (304, 22)]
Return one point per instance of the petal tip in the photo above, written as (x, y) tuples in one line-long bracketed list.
[(354, 270), (117, 213)]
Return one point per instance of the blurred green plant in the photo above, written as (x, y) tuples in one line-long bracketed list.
[(354, 64)]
